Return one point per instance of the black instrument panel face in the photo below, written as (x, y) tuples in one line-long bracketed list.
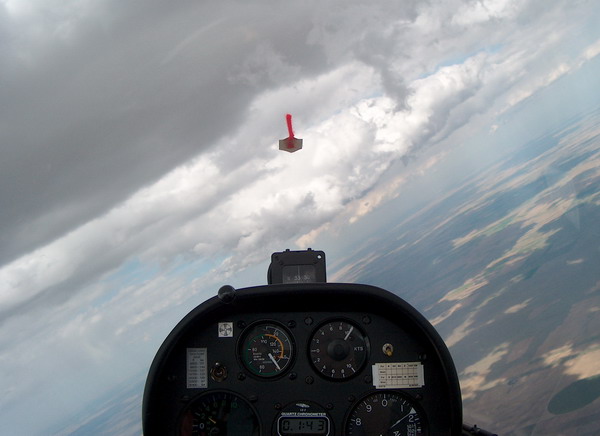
[(277, 363)]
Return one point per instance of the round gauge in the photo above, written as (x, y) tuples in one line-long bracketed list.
[(385, 413), (266, 350), (219, 413), (338, 349)]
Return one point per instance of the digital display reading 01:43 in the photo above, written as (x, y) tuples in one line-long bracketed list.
[(303, 425)]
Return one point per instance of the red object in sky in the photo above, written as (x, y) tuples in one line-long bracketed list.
[(291, 143)]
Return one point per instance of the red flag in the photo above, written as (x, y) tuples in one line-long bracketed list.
[(291, 143)]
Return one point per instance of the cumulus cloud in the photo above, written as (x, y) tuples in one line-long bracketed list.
[(238, 194), (126, 97)]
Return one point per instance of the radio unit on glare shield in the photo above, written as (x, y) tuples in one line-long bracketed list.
[(300, 356)]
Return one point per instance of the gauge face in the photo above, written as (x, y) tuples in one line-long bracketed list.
[(386, 413), (219, 413), (338, 349), (266, 350)]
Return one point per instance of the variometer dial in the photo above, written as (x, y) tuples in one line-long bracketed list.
[(266, 350), (219, 413), (338, 349), (386, 413)]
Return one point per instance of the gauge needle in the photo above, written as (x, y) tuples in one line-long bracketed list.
[(400, 420), (348, 334), (274, 361), (280, 343)]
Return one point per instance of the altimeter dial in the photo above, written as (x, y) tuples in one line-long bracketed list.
[(386, 413)]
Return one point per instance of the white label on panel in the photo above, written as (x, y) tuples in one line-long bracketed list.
[(197, 368), (398, 375)]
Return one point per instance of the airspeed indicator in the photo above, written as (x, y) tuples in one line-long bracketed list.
[(266, 350)]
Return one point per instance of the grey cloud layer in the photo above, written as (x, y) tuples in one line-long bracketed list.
[(94, 115), (105, 100)]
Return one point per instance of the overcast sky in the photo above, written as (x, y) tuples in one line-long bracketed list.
[(139, 163)]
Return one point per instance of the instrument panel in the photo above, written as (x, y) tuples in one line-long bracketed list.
[(320, 359)]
